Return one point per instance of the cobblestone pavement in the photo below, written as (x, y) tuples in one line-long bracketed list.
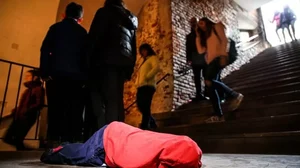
[(209, 161)]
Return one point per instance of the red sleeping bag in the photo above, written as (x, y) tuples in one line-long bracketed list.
[(129, 147)]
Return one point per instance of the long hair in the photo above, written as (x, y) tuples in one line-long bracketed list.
[(206, 34), (114, 2), (147, 47)]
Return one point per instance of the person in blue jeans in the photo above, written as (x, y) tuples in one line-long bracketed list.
[(146, 84), (212, 41)]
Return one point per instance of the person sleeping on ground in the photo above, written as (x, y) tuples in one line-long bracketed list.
[(121, 145)]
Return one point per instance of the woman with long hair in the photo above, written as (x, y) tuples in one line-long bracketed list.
[(146, 85), (211, 40)]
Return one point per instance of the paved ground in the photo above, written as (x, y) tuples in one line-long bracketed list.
[(30, 160)]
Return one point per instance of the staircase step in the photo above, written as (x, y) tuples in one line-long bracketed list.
[(254, 125), (263, 69), (252, 68), (282, 73), (268, 86), (283, 108), (198, 114), (253, 143)]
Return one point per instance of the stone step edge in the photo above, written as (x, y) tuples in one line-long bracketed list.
[(252, 135), (233, 121)]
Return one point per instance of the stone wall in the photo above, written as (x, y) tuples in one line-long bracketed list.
[(216, 10), (155, 29)]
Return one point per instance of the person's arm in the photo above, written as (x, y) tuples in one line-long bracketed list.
[(155, 67), (134, 53), (46, 51), (38, 94)]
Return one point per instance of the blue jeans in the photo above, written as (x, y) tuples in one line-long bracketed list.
[(211, 73), (90, 153)]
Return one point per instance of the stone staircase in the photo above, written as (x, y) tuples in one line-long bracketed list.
[(268, 120)]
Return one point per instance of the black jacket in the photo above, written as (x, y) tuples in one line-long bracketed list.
[(112, 38), (190, 45), (63, 50)]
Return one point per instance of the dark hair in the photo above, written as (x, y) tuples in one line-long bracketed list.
[(147, 47), (206, 34), (35, 73), (74, 10), (114, 2)]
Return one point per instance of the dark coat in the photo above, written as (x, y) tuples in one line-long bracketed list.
[(63, 51), (112, 39), (190, 45), (32, 100)]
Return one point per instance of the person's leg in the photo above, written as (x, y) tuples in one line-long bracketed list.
[(75, 113), (144, 99), (54, 116), (197, 80), (24, 125), (289, 31), (113, 87), (95, 109), (277, 28), (9, 136), (293, 28), (283, 34), (211, 73), (220, 92)]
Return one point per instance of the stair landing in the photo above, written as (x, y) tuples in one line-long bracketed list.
[(31, 160)]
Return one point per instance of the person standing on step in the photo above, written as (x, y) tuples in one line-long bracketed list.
[(277, 19), (63, 67), (195, 60), (112, 55), (27, 111), (288, 20), (212, 41), (146, 85)]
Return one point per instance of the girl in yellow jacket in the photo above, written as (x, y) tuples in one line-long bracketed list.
[(146, 85)]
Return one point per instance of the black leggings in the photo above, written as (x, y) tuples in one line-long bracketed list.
[(144, 99), (211, 73)]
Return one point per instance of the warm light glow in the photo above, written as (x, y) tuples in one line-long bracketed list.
[(268, 13)]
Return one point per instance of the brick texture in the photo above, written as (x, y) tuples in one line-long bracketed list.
[(182, 11)]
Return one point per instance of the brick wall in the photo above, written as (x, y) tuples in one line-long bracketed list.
[(216, 10)]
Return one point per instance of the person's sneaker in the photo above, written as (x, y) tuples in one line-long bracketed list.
[(212, 119), (235, 103)]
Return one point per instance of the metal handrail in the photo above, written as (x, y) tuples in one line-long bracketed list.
[(18, 90)]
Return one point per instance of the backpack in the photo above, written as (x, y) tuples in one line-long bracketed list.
[(232, 51)]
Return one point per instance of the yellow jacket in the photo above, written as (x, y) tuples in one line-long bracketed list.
[(147, 72)]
